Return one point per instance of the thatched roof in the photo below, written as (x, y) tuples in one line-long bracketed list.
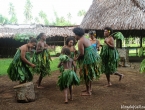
[(118, 14), (51, 31)]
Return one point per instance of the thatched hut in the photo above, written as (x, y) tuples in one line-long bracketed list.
[(56, 36), (126, 16)]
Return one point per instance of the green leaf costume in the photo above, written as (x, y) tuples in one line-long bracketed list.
[(19, 70), (42, 62), (68, 77), (110, 58), (90, 64)]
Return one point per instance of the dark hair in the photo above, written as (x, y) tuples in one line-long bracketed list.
[(33, 40), (109, 29), (39, 36), (92, 32), (66, 51), (79, 31), (69, 39)]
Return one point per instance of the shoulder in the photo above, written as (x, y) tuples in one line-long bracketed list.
[(23, 48)]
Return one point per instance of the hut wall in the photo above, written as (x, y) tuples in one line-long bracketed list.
[(8, 47)]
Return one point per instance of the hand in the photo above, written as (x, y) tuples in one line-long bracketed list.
[(32, 65), (76, 58)]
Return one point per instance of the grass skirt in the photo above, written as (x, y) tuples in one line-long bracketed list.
[(18, 70), (42, 62), (67, 78), (110, 59), (90, 64)]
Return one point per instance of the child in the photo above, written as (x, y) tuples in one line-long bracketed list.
[(68, 76)]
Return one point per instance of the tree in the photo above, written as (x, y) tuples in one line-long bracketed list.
[(13, 19), (27, 12), (43, 17), (61, 21), (3, 20), (81, 13), (36, 20)]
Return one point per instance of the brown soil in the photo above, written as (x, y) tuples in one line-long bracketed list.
[(130, 91)]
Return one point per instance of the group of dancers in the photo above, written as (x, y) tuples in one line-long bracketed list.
[(86, 60)]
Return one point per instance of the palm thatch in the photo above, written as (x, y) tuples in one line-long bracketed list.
[(118, 14), (11, 30)]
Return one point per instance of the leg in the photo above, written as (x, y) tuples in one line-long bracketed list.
[(120, 75), (90, 85), (87, 92), (65, 96), (70, 91), (39, 81), (108, 79)]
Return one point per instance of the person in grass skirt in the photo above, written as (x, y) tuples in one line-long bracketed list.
[(109, 56), (41, 59), (88, 60), (19, 68), (68, 75)]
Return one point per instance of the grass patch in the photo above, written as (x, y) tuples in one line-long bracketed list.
[(4, 64)]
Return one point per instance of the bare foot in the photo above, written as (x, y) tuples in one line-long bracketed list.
[(108, 85), (122, 76), (86, 94), (40, 87), (71, 99), (66, 101), (86, 90)]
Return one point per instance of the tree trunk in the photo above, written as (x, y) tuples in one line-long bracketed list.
[(25, 92)]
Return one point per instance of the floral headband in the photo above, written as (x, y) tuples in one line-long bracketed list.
[(109, 31)]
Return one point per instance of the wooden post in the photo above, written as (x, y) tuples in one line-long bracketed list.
[(25, 92), (64, 41), (141, 39)]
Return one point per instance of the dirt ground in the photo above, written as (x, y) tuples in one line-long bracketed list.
[(130, 91)]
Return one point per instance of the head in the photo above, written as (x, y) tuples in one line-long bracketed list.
[(32, 42), (66, 51), (107, 31), (79, 32), (92, 34), (41, 36), (70, 41)]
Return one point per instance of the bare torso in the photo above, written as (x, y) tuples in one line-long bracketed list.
[(68, 64)]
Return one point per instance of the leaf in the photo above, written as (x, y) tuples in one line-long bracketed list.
[(118, 35), (140, 53)]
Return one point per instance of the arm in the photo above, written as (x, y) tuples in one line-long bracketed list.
[(98, 45), (73, 63), (110, 42), (81, 50), (59, 65), (23, 52), (45, 46)]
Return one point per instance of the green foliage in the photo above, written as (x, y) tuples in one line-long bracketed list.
[(43, 17), (81, 13), (118, 35), (27, 11), (61, 21), (142, 66), (140, 52), (4, 20), (12, 13), (24, 37)]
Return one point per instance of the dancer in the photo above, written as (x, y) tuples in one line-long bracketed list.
[(68, 76)]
